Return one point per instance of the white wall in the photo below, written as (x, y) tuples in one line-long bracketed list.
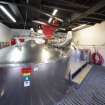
[(18, 32), (5, 33), (91, 35), (94, 35)]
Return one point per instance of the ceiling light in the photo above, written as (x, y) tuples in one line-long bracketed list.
[(7, 13), (79, 27), (54, 13), (31, 29), (62, 29), (50, 19), (39, 22)]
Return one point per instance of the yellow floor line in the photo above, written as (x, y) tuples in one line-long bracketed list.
[(81, 76)]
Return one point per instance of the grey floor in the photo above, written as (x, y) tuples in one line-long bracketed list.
[(90, 92), (47, 85)]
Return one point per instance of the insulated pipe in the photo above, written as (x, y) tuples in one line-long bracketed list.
[(67, 40)]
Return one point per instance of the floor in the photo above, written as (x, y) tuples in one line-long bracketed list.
[(47, 84), (90, 92)]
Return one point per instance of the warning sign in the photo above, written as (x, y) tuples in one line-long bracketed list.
[(27, 78), (26, 83), (26, 73)]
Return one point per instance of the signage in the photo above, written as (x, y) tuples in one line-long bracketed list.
[(26, 73), (26, 83)]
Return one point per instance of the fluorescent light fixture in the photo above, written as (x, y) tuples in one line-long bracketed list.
[(7, 13), (54, 13), (62, 29), (39, 22), (79, 27), (50, 19), (31, 29)]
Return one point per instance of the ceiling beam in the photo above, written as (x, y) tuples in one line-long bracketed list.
[(102, 11), (71, 10), (90, 20), (32, 8), (85, 22), (10, 22), (29, 6), (99, 14), (66, 3), (94, 18), (80, 28), (95, 8), (82, 22), (22, 22), (16, 11)]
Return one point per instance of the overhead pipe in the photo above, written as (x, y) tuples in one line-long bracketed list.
[(32, 7), (67, 41)]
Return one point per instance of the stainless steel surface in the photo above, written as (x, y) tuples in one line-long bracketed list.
[(28, 53)]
